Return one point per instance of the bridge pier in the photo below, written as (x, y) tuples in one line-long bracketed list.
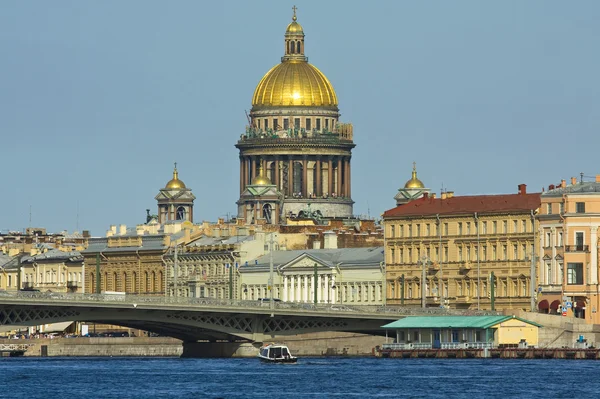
[(220, 349)]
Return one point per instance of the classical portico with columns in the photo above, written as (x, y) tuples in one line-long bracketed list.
[(344, 275), (295, 136)]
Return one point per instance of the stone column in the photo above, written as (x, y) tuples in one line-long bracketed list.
[(253, 168), (333, 291), (326, 288), (291, 177), (338, 188), (318, 287), (241, 174), (285, 289), (291, 297), (594, 255), (348, 180), (263, 163), (299, 293), (304, 177), (330, 176), (318, 188), (276, 182)]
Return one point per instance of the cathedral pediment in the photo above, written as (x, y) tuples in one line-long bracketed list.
[(261, 191)]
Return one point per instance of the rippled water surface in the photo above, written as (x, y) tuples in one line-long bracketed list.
[(310, 378)]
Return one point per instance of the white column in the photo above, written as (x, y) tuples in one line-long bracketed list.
[(594, 255), (318, 288), (299, 290), (326, 289), (305, 288), (285, 288)]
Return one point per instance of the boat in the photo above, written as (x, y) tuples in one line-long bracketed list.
[(276, 353)]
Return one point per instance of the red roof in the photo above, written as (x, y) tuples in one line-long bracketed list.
[(467, 204)]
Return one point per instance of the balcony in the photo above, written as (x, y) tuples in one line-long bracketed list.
[(577, 248)]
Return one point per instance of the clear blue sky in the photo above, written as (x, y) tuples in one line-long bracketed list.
[(99, 98)]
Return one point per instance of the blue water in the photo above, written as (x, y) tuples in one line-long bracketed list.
[(128, 378)]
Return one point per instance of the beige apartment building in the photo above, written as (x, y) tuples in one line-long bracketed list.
[(452, 244), (568, 249)]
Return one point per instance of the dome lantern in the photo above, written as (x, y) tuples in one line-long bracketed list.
[(294, 40)]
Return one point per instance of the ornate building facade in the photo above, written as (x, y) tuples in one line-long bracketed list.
[(456, 243), (296, 137), (568, 250)]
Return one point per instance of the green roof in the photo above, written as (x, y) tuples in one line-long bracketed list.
[(452, 322)]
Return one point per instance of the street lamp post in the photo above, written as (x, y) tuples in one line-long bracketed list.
[(424, 260)]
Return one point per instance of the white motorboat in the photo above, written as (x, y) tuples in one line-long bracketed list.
[(275, 353)]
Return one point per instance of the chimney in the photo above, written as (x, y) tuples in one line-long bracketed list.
[(86, 234), (450, 194), (316, 244), (330, 240), (444, 195), (122, 230), (113, 229), (551, 187), (573, 181), (425, 195), (220, 221), (522, 188), (433, 196), (563, 183)]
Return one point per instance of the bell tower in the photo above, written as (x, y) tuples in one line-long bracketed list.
[(175, 201)]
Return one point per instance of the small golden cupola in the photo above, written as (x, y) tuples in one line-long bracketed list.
[(175, 183), (414, 182), (261, 179)]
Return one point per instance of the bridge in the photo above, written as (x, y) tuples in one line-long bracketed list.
[(201, 319)]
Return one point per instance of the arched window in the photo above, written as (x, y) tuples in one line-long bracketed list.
[(92, 283), (298, 47), (153, 282), (160, 281), (268, 213), (115, 282), (180, 213), (134, 282), (146, 281), (290, 47)]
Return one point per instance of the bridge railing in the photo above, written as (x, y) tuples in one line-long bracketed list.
[(234, 303)]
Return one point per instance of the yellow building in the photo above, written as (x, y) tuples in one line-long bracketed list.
[(454, 243), (568, 242)]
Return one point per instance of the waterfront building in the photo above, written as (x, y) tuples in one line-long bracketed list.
[(53, 270), (352, 276), (296, 138), (442, 251), (568, 249), (36, 239), (454, 332)]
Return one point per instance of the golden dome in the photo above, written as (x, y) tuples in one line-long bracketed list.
[(261, 180), (294, 27), (294, 82), (414, 182), (175, 183)]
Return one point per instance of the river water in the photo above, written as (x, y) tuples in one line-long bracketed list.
[(129, 378)]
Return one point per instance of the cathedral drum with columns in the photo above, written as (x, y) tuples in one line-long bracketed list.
[(295, 142)]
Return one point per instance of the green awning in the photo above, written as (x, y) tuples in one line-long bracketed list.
[(452, 322)]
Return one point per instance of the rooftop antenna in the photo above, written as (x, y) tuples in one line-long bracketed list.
[(581, 179)]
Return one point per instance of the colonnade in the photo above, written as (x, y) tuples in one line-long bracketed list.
[(319, 176), (300, 288)]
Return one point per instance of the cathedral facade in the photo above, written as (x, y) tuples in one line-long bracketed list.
[(295, 142)]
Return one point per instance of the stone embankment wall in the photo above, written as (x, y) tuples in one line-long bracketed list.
[(127, 346), (560, 331)]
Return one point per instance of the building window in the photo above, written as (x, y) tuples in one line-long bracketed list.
[(549, 209), (275, 124), (308, 126), (484, 255), (459, 228), (286, 124), (515, 252), (326, 124), (560, 239), (409, 255), (574, 273), (392, 255), (504, 253), (524, 249), (297, 123), (468, 228), (494, 253), (428, 226), (446, 254), (494, 227), (401, 231), (484, 227), (468, 254), (515, 226), (580, 207), (429, 252), (460, 254), (548, 273), (505, 226), (561, 208), (401, 256), (438, 230), (410, 230), (524, 226), (318, 124), (445, 229), (266, 124), (418, 230), (547, 241), (392, 231), (579, 241), (258, 123)]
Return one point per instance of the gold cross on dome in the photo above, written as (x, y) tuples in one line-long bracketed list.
[(414, 165), (175, 165), (294, 8)]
